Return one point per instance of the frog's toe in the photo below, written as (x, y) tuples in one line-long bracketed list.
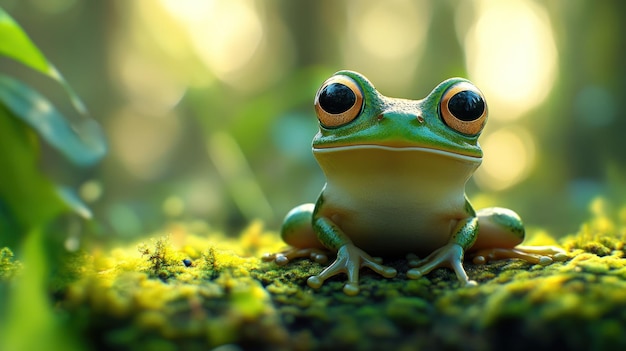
[(350, 260), (542, 255), (315, 282), (278, 258), (560, 257), (545, 260), (388, 272), (450, 256), (351, 289), (385, 271), (552, 252), (318, 257), (335, 268), (282, 258), (415, 273)]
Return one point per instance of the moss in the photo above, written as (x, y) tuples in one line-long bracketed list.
[(157, 256), (224, 294), (9, 266)]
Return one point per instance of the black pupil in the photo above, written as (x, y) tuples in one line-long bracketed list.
[(466, 105), (336, 98)]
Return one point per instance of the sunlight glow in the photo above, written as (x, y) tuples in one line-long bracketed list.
[(225, 34), (509, 157), (381, 35), (233, 40), (511, 55), (189, 10), (144, 142), (149, 88), (388, 38)]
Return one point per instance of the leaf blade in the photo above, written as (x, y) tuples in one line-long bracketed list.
[(18, 46), (83, 148), (15, 44)]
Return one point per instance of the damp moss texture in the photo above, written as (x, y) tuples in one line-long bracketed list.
[(190, 288)]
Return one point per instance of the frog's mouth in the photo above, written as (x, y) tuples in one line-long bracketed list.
[(402, 148)]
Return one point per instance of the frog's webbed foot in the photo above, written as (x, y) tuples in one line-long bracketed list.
[(282, 258), (350, 259), (450, 256), (543, 255)]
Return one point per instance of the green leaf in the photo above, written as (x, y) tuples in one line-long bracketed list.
[(15, 44), (83, 148), (30, 199)]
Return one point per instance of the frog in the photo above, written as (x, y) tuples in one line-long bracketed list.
[(396, 172)]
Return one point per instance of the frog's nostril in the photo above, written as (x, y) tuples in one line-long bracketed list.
[(380, 117), (420, 119)]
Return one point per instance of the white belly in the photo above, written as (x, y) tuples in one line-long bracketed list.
[(395, 202)]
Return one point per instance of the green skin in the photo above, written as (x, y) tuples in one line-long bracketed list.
[(395, 185)]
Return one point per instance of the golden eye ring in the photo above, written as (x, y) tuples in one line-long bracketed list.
[(338, 101), (464, 109)]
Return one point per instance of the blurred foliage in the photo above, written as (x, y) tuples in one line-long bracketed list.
[(29, 199), (208, 103)]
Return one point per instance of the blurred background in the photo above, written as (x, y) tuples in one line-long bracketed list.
[(207, 105)]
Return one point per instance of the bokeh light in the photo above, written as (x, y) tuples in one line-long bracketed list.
[(203, 98), (232, 38), (509, 157), (386, 36), (511, 55), (143, 142), (225, 34)]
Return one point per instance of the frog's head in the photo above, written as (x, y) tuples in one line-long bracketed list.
[(352, 113)]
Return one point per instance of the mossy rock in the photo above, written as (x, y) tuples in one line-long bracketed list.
[(211, 291)]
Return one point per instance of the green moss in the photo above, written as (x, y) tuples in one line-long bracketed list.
[(8, 265), (140, 299), (157, 256)]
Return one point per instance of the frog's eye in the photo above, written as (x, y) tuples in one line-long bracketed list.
[(338, 101), (464, 109)]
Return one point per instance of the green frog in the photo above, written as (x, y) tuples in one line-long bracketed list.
[(395, 172)]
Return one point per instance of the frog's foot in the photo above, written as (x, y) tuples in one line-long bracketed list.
[(543, 255), (282, 258), (450, 256), (350, 259)]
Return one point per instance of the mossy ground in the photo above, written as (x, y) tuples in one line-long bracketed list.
[(9, 267), (194, 289)]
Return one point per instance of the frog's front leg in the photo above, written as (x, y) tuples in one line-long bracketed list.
[(451, 254), (297, 231), (501, 231), (350, 259)]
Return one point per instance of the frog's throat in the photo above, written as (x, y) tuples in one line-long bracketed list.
[(450, 154)]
